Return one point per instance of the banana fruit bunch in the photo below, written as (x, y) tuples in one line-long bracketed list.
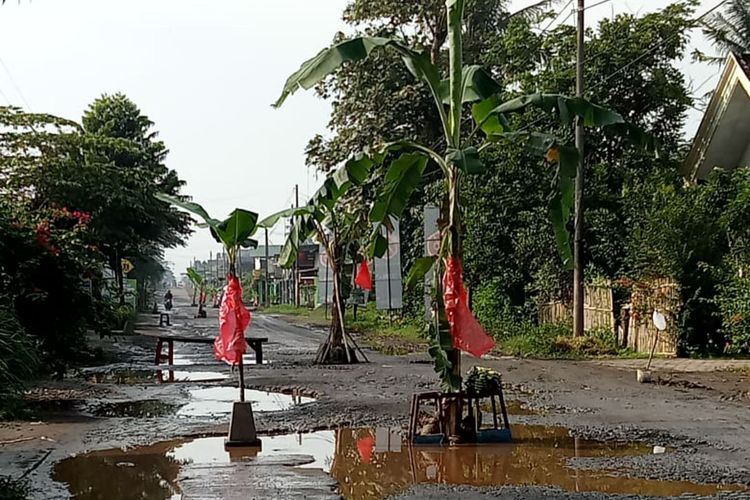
[(482, 382)]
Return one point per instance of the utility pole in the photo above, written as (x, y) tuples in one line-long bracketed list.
[(578, 289), (296, 270), (266, 298)]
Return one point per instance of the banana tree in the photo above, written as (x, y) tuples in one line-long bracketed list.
[(233, 233), (466, 87), (198, 287), (334, 223)]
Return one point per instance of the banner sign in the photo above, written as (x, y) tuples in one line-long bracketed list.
[(325, 278), (388, 286), (431, 248)]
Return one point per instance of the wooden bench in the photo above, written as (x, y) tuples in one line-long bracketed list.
[(164, 319), (255, 343)]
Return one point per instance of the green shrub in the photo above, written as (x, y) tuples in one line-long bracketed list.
[(734, 302), (583, 346), (493, 308), (18, 362), (534, 340)]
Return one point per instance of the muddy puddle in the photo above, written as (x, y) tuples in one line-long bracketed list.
[(145, 377), (145, 408), (203, 402), (217, 401), (372, 464)]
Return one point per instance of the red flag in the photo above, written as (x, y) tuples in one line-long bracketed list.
[(365, 446), (468, 335), (234, 318), (364, 278)]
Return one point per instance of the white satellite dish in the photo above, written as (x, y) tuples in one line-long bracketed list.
[(660, 322)]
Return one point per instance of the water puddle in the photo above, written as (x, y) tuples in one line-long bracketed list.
[(516, 407), (121, 377), (145, 408), (166, 376), (373, 464), (249, 359), (217, 401), (145, 377)]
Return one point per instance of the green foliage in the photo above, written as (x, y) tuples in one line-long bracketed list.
[(734, 303), (405, 173), (18, 361), (482, 382), (74, 198), (728, 29), (43, 258), (233, 232), (494, 310)]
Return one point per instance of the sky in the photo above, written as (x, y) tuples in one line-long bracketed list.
[(206, 72)]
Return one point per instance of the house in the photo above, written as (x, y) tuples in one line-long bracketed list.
[(723, 137)]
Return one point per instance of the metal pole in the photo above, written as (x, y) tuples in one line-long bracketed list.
[(579, 221), (266, 298)]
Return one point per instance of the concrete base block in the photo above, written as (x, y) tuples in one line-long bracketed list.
[(242, 426)]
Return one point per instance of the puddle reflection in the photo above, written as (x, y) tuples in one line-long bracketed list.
[(373, 464), (216, 401), (169, 376)]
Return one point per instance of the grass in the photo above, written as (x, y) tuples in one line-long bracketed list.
[(557, 342), (395, 336)]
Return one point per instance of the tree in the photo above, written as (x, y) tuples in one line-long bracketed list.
[(126, 165), (460, 156), (337, 221), (199, 289), (729, 30), (110, 168), (507, 238)]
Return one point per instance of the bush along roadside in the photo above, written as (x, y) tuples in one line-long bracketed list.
[(18, 363)]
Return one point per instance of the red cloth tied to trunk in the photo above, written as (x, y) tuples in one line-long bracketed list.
[(364, 278), (365, 446), (234, 318), (468, 335)]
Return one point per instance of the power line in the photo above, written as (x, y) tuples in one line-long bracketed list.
[(597, 4), (15, 85), (656, 47), (637, 59), (549, 25)]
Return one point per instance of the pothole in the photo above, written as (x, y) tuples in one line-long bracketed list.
[(217, 401), (145, 377), (372, 464), (145, 408)]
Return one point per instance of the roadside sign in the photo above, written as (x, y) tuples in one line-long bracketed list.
[(127, 266)]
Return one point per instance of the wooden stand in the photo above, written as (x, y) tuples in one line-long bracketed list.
[(471, 418)]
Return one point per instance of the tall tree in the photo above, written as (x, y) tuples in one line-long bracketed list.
[(729, 30), (127, 163), (513, 245)]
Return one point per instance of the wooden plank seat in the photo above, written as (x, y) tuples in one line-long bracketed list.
[(255, 343)]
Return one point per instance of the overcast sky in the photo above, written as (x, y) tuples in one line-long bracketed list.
[(206, 72)]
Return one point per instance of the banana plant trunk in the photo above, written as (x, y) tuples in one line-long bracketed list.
[(454, 17), (335, 349)]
